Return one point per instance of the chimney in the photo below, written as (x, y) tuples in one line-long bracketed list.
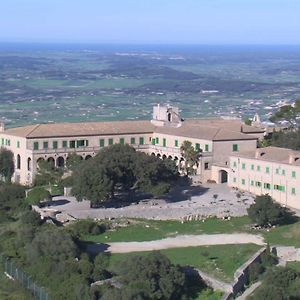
[(293, 158), (2, 127)]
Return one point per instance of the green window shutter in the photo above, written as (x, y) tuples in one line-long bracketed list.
[(293, 191), (258, 168), (54, 145), (2, 141), (252, 182), (243, 182), (110, 141), (294, 174), (267, 170), (72, 144), (36, 146), (283, 172), (122, 141), (18, 144), (206, 148), (234, 164), (235, 147), (45, 145), (277, 171), (65, 144), (142, 141), (234, 179), (164, 142), (132, 141), (153, 141), (197, 146), (176, 143), (157, 140), (243, 166), (101, 143), (86, 143), (252, 167)]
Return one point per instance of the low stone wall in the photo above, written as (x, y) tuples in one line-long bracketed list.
[(241, 276)]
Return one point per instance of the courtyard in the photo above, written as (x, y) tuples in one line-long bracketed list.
[(182, 203)]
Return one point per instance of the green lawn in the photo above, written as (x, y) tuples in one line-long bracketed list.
[(220, 261), (147, 230), (287, 235), (294, 265)]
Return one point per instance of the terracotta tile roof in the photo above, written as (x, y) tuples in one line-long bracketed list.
[(216, 130), (273, 154), (81, 129)]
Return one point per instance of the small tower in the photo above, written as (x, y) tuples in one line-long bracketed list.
[(166, 115), (256, 120), (2, 127)]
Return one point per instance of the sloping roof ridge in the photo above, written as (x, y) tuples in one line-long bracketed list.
[(219, 129), (35, 127)]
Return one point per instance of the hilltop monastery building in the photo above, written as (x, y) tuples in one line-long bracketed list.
[(228, 147)]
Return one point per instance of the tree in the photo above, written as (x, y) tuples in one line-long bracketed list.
[(248, 121), (265, 212), (73, 161), (150, 277), (47, 174), (37, 195), (191, 157), (289, 114), (7, 165), (120, 169)]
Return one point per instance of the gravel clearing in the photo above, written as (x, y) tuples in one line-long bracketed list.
[(193, 202), (185, 241)]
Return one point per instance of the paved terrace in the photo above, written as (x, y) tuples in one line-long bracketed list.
[(195, 201)]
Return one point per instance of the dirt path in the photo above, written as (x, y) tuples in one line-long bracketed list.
[(185, 241)]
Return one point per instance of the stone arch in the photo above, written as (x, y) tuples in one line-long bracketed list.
[(170, 157), (18, 161), (164, 156), (158, 155), (88, 157), (153, 154), (223, 176), (51, 161), (175, 158), (29, 164), (60, 162)]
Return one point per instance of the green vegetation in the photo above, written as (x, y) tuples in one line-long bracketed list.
[(121, 169), (7, 165), (220, 261), (147, 230), (37, 195), (279, 283), (266, 212), (295, 265), (191, 157)]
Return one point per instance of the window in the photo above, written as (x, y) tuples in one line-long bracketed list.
[(277, 171), (72, 144), (18, 144), (2, 141), (294, 174), (176, 143), (45, 145), (80, 143), (252, 167), (36, 146), (132, 141), (267, 186), (197, 146), (164, 142), (293, 191), (206, 148), (122, 141), (243, 182), (283, 172), (243, 166), (54, 145), (142, 141), (157, 140), (65, 144), (101, 143), (18, 161), (206, 166), (235, 147), (234, 179), (279, 187), (267, 170), (234, 164), (258, 168), (110, 141), (252, 182), (258, 183), (7, 142), (153, 141)]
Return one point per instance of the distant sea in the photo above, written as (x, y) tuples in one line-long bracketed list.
[(160, 48)]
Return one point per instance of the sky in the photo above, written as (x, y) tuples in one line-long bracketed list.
[(151, 21)]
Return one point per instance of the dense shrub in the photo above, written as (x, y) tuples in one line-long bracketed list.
[(84, 227), (37, 195)]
